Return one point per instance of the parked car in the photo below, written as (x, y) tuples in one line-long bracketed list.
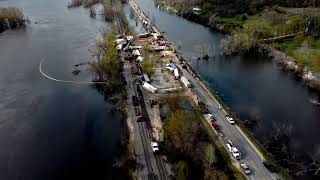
[(235, 153), (233, 150), (209, 117), (215, 125), (230, 119), (155, 146), (229, 146), (245, 168)]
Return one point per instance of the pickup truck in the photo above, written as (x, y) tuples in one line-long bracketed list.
[(230, 119)]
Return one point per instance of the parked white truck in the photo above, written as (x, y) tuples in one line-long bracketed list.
[(185, 82), (176, 74)]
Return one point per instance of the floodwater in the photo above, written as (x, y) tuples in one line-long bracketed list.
[(51, 130), (254, 87)]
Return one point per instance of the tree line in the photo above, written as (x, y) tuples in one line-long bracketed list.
[(233, 7)]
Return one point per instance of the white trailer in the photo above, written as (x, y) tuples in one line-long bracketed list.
[(149, 87), (121, 41), (185, 82), (176, 74), (135, 47), (143, 35), (146, 78)]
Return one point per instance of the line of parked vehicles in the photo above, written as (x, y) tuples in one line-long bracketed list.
[(231, 148)]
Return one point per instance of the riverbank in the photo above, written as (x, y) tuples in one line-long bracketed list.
[(12, 18), (299, 63)]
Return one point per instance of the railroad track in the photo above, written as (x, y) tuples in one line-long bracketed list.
[(145, 115), (143, 130), (151, 175), (161, 167)]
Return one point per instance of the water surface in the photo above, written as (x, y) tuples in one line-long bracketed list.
[(51, 130)]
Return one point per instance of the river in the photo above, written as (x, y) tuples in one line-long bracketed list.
[(51, 130), (254, 87)]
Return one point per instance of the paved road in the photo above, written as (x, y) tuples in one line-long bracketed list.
[(249, 155)]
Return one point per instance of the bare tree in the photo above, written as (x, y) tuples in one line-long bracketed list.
[(316, 159)]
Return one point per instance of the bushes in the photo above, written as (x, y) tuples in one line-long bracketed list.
[(108, 11), (11, 18), (148, 68), (180, 170), (108, 67)]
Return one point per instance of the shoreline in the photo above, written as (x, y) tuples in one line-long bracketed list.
[(289, 64)]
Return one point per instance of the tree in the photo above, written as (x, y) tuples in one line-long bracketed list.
[(180, 170), (217, 175), (181, 132), (209, 156), (316, 159), (296, 23)]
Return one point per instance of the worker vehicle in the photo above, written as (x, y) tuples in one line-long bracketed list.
[(245, 168), (155, 146)]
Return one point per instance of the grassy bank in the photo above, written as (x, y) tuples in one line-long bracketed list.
[(11, 18), (304, 49)]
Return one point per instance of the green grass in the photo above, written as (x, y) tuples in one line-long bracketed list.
[(308, 56), (235, 21), (148, 68)]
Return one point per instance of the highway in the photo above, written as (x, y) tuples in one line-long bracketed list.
[(231, 132)]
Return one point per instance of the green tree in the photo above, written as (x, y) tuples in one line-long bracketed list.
[(209, 156), (296, 23), (217, 175), (181, 131), (180, 170)]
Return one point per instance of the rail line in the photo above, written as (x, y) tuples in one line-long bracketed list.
[(145, 115), (146, 152)]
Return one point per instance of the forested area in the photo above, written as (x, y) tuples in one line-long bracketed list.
[(233, 7)]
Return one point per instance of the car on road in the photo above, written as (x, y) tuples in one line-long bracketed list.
[(155, 146), (235, 153), (230, 142), (229, 146), (230, 119), (215, 125), (245, 168), (233, 150), (209, 117)]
